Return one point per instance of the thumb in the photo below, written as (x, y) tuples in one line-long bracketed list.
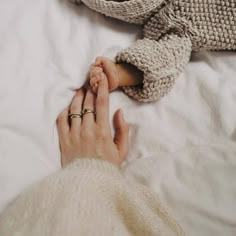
[(121, 134)]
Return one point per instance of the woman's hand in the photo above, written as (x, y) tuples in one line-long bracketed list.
[(90, 136)]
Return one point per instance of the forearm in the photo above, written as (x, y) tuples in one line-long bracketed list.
[(129, 75)]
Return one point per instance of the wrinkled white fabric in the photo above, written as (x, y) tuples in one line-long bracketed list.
[(183, 146)]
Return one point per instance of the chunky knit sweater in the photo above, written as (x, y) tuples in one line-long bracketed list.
[(172, 29), (88, 198)]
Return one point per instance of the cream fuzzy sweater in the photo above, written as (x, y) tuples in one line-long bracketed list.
[(172, 29), (88, 198)]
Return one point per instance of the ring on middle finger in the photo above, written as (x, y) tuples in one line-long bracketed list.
[(87, 111)]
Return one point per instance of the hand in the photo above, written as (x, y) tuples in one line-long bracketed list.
[(106, 65), (90, 136), (122, 74)]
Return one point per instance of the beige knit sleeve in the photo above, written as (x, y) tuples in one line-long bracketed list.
[(135, 11), (89, 197), (161, 62)]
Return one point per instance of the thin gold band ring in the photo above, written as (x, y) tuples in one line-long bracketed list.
[(75, 115), (87, 111)]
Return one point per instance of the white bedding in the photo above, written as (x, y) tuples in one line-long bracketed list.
[(183, 146)]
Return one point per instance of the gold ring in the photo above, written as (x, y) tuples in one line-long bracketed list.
[(86, 111), (75, 115)]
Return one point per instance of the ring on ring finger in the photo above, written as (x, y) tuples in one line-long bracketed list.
[(75, 115), (71, 116)]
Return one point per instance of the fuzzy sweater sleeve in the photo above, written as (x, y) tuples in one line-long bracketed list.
[(89, 197), (160, 61)]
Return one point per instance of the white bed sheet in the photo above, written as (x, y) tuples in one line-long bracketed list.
[(183, 146)]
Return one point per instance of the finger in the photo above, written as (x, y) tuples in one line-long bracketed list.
[(89, 118), (102, 104), (96, 70), (99, 61), (63, 125), (95, 88), (75, 108), (121, 134), (94, 80)]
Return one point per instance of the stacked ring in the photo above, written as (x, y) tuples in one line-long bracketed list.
[(80, 115), (75, 115), (86, 111)]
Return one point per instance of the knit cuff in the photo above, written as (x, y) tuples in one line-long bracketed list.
[(161, 63), (94, 164)]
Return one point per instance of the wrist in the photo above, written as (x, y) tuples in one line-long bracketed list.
[(93, 163), (128, 75)]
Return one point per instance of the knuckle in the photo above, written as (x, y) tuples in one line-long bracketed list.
[(102, 134), (60, 118), (86, 135), (79, 93), (95, 75)]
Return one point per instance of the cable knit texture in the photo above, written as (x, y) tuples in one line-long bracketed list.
[(172, 29), (89, 197)]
